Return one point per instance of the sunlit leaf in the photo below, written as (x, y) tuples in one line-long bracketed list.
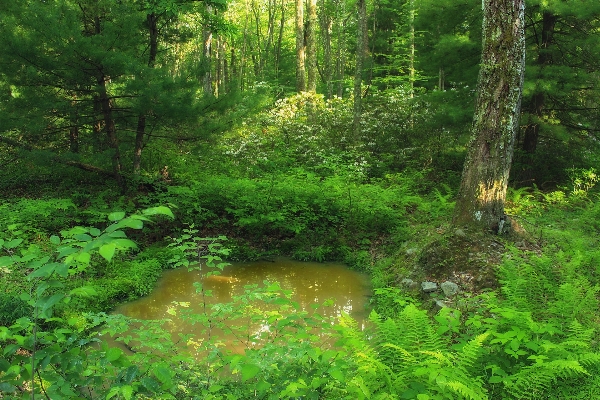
[(116, 216), (108, 251), (160, 210), (249, 371)]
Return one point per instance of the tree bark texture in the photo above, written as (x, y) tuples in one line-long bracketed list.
[(480, 202), (300, 50)]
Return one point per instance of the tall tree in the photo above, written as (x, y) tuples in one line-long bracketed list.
[(300, 48), (480, 202), (311, 46), (361, 46)]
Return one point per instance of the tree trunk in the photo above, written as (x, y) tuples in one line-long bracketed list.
[(326, 22), (152, 20), (207, 38), (480, 202), (536, 106), (361, 44), (110, 129), (280, 39), (311, 46), (300, 68)]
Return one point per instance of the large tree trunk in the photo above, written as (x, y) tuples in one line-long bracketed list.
[(480, 202), (311, 46), (300, 68)]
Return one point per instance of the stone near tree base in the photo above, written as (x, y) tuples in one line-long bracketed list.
[(428, 287), (449, 288)]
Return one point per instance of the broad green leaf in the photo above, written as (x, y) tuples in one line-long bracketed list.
[(83, 291), (336, 374), (13, 243), (7, 388), (108, 251), (117, 234), (160, 210), (116, 216), (127, 391), (249, 371), (150, 384), (83, 237), (95, 232), (6, 261), (44, 271), (84, 257), (113, 354), (132, 223), (55, 239), (163, 374)]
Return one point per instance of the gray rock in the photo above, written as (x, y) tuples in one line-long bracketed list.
[(408, 284), (429, 287), (460, 233), (411, 251), (438, 305), (449, 288)]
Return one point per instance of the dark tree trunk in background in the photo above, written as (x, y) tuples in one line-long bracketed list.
[(536, 106), (152, 20), (480, 202)]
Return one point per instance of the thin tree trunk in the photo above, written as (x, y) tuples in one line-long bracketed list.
[(280, 39), (536, 106), (300, 51), (152, 20), (311, 46), (480, 202), (340, 54), (361, 44), (110, 129), (326, 26), (207, 37)]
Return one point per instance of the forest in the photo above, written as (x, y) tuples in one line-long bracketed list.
[(449, 150)]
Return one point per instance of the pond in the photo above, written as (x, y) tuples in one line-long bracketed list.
[(310, 283)]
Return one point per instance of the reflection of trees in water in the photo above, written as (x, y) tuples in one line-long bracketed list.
[(311, 283)]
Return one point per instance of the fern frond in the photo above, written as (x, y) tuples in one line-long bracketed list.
[(465, 391), (536, 380)]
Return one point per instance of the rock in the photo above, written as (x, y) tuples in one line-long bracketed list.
[(408, 284), (438, 305), (411, 251), (449, 288), (428, 287)]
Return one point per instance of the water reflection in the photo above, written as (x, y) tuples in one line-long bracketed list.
[(310, 283)]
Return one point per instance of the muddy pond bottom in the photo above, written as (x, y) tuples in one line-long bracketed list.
[(310, 283)]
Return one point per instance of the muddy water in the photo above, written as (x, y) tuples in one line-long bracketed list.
[(310, 283)]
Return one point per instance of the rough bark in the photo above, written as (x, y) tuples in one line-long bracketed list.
[(480, 202), (300, 50), (311, 46)]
